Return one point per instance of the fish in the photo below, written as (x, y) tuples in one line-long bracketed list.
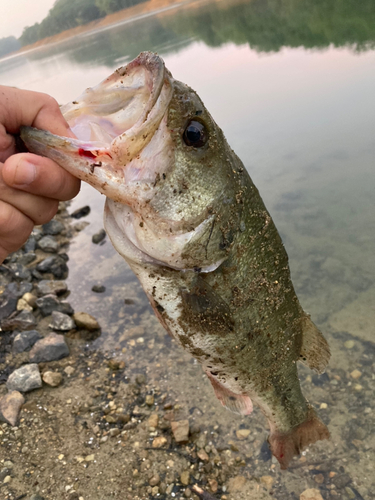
[(183, 212)]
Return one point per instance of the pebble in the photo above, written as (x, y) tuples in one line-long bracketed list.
[(69, 370), (25, 340), (319, 478), (159, 442), (349, 344), (30, 298), (80, 212), (53, 227), (48, 244), (341, 480), (7, 479), (8, 304), (202, 455), (237, 483), (356, 374), (36, 497), (242, 433), (154, 480), (98, 288), (99, 236), (55, 265), (25, 379), (46, 287), (114, 432), (24, 320), (311, 494), (213, 485), (22, 305), (50, 303), (10, 406), (153, 420), (267, 481), (53, 379), (185, 477), (50, 348), (85, 320), (180, 431), (61, 321), (149, 400)]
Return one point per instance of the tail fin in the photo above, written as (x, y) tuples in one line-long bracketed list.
[(285, 446)]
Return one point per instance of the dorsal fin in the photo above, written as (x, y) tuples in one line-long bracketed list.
[(315, 351)]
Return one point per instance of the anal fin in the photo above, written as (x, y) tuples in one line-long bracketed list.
[(315, 351), (237, 403)]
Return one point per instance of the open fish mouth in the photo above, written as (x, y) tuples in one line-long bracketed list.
[(113, 122)]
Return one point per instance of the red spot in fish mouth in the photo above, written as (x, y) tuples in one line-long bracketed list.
[(88, 154), (91, 154)]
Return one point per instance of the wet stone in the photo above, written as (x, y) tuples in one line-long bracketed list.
[(30, 298), (19, 289), (180, 431), (185, 477), (53, 379), (50, 303), (53, 227), (22, 305), (99, 236), (80, 212), (48, 244), (36, 497), (30, 245), (27, 258), (51, 348), (61, 321), (25, 379), (341, 480), (159, 442), (98, 288), (24, 320), (47, 287), (10, 406), (311, 494), (55, 264), (236, 484), (85, 320), (8, 304), (20, 272), (25, 340)]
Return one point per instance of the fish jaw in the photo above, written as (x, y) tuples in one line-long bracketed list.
[(113, 122)]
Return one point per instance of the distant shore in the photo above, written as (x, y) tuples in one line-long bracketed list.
[(137, 11)]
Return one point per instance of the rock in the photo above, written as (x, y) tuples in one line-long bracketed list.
[(48, 244), (61, 321), (114, 432), (10, 406), (149, 400), (341, 480), (50, 303), (311, 494), (20, 272), (159, 442), (22, 305), (242, 433), (53, 227), (349, 344), (47, 287), (267, 481), (202, 455), (25, 340), (25, 379), (24, 320), (80, 212), (98, 288), (85, 320), (53, 379), (185, 477), (27, 258), (180, 431), (69, 370), (99, 236), (30, 298), (51, 348), (356, 374), (30, 245), (55, 265), (153, 420), (154, 480), (36, 497), (213, 485), (237, 483), (8, 304), (19, 289)]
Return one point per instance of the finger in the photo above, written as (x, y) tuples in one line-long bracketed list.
[(23, 107), (40, 176), (15, 228), (37, 208)]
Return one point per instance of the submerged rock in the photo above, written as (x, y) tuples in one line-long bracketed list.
[(25, 379), (48, 244), (51, 348), (53, 227), (61, 321), (99, 236), (25, 340), (47, 287), (10, 406), (22, 321), (180, 431), (85, 320), (80, 212)]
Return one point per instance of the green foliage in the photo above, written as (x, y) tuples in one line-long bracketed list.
[(8, 45), (66, 14)]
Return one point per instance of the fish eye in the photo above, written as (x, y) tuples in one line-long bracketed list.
[(195, 134)]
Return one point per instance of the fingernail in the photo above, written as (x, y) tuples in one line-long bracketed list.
[(25, 173)]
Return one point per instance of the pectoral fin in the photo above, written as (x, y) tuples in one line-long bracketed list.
[(315, 351)]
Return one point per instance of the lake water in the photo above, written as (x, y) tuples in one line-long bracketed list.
[(292, 86)]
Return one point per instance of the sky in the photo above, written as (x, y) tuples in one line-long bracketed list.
[(17, 14)]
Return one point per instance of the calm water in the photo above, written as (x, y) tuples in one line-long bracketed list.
[(292, 86)]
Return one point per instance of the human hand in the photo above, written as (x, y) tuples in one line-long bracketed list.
[(31, 186)]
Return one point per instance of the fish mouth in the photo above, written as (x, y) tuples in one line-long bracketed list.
[(112, 121)]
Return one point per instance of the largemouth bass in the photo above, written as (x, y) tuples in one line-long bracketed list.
[(183, 212)]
